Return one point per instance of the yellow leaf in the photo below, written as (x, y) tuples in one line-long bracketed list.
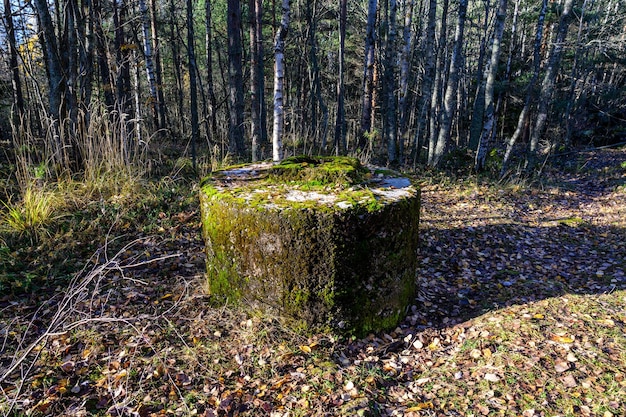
[(539, 316), (121, 374), (562, 339), (86, 353), (166, 296), (173, 396), (305, 348), (421, 406)]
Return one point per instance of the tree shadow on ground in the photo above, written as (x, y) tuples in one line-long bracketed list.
[(466, 272)]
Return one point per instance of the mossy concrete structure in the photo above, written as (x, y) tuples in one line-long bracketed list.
[(325, 242)]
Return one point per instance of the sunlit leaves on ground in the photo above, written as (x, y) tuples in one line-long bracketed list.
[(520, 313)]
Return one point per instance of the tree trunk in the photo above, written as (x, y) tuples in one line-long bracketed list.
[(368, 74), (176, 60), (86, 31), (435, 103), (235, 84), (427, 85), (450, 99), (404, 76), (547, 86), (574, 77), (256, 75), (208, 43), (122, 57), (103, 62), (279, 76), (191, 51), (489, 125), (340, 122), (137, 96), (16, 83), (478, 109), (158, 69), (530, 90), (147, 51), (56, 79), (512, 50), (390, 83)]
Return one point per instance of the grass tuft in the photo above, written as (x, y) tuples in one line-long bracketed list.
[(32, 213)]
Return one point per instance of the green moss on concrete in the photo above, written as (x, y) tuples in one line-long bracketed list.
[(320, 265), (320, 171)]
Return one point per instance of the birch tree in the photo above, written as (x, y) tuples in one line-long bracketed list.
[(279, 78), (147, 52)]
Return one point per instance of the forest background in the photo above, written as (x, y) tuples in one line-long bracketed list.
[(496, 85)]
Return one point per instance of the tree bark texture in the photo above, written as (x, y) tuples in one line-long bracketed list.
[(149, 61), (256, 75), (368, 74), (450, 99), (389, 85), (489, 124), (429, 75), (340, 122), (235, 84), (435, 102), (530, 90), (193, 90), (547, 86), (279, 79), (208, 44), (16, 83), (405, 57), (158, 66)]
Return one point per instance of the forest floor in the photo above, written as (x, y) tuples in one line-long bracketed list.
[(521, 311)]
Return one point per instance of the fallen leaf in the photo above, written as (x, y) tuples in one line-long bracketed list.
[(475, 354), (422, 381), (561, 366), (569, 381), (562, 339), (492, 377), (421, 406)]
